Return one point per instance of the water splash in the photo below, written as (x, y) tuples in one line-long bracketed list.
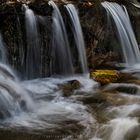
[(78, 36), (32, 63), (62, 61), (125, 34)]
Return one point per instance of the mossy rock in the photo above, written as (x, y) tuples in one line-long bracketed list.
[(69, 87), (113, 76), (105, 76)]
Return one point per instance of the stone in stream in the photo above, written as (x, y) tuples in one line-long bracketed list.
[(106, 76), (69, 87)]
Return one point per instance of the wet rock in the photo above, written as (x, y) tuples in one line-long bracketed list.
[(89, 99), (133, 133), (107, 61), (135, 113), (69, 87), (113, 99), (128, 90), (99, 112), (4, 113), (105, 76), (105, 132), (132, 89), (127, 78), (134, 81)]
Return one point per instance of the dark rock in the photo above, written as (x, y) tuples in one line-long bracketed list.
[(69, 87), (133, 133)]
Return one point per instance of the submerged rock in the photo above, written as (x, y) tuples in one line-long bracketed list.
[(69, 87)]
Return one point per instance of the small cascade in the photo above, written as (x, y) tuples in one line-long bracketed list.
[(32, 62), (119, 128), (13, 98), (3, 58), (78, 36), (62, 61), (131, 52)]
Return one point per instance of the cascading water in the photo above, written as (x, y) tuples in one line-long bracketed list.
[(32, 62), (2, 51), (78, 36), (13, 98), (131, 52), (39, 105), (68, 107), (51, 110), (62, 60)]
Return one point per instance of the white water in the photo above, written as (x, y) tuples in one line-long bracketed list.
[(13, 98), (32, 62), (131, 53), (78, 36), (40, 105), (62, 59)]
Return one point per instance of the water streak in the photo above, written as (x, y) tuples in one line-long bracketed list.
[(125, 34), (78, 36), (62, 60), (13, 98), (32, 63)]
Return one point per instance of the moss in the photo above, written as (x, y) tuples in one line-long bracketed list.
[(105, 76)]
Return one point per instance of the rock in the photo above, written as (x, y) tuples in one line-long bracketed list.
[(127, 89), (113, 99), (105, 76), (69, 87), (133, 133), (107, 60)]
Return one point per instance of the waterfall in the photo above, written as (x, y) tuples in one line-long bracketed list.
[(74, 106), (78, 36), (14, 99), (3, 58), (62, 61), (131, 53), (32, 62)]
